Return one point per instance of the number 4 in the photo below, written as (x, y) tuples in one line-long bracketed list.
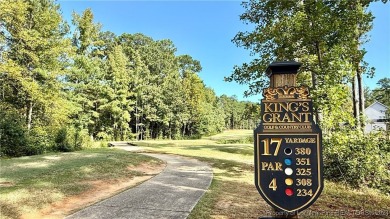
[(272, 184)]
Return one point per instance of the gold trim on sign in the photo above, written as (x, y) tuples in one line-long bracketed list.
[(288, 130), (286, 92), (258, 160), (285, 123), (319, 171), (286, 100)]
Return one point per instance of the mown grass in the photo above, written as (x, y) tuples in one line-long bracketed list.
[(235, 134), (29, 183), (232, 193)]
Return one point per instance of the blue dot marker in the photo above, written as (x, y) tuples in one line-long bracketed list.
[(288, 161)]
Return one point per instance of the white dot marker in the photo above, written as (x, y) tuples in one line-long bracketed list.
[(288, 171)]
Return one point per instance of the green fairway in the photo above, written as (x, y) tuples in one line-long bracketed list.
[(28, 184), (233, 195)]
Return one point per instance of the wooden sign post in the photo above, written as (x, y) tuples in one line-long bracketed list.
[(287, 144)]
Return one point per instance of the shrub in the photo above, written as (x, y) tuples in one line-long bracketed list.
[(103, 136), (61, 140), (13, 138), (358, 159), (38, 141), (71, 139), (16, 141), (85, 140)]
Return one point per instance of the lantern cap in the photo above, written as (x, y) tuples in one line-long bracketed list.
[(284, 67)]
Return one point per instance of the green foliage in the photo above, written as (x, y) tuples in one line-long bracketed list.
[(16, 140), (324, 35), (34, 57), (61, 92), (118, 98), (358, 159), (39, 141), (85, 78), (381, 93), (333, 117), (71, 139), (239, 114), (12, 133), (62, 143)]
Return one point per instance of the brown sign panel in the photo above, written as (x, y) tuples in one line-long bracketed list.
[(288, 150)]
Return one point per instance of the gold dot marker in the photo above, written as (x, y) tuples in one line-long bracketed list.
[(288, 181)]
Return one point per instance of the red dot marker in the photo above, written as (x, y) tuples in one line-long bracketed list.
[(289, 192)]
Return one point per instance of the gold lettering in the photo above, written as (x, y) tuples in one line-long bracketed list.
[(286, 118), (305, 192), (300, 140), (293, 109), (284, 106), (269, 166), (278, 166), (267, 107), (294, 115), (264, 165), (306, 115), (269, 119), (276, 117), (305, 106)]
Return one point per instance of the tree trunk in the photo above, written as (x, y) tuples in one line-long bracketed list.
[(148, 131), (3, 91), (29, 111), (355, 100), (314, 79), (319, 59), (184, 130), (170, 130), (232, 121), (361, 97), (136, 119), (359, 89)]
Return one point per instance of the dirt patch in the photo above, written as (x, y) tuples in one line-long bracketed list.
[(6, 184), (145, 169), (101, 189), (239, 200)]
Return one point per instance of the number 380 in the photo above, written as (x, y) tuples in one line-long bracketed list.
[(302, 151)]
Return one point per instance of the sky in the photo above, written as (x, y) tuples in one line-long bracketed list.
[(204, 30)]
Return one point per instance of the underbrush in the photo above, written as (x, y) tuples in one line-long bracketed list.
[(361, 160)]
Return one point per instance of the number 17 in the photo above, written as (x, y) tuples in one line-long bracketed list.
[(267, 143)]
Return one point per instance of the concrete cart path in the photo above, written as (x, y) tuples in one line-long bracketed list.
[(171, 194)]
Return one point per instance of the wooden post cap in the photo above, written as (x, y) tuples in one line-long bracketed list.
[(283, 73)]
